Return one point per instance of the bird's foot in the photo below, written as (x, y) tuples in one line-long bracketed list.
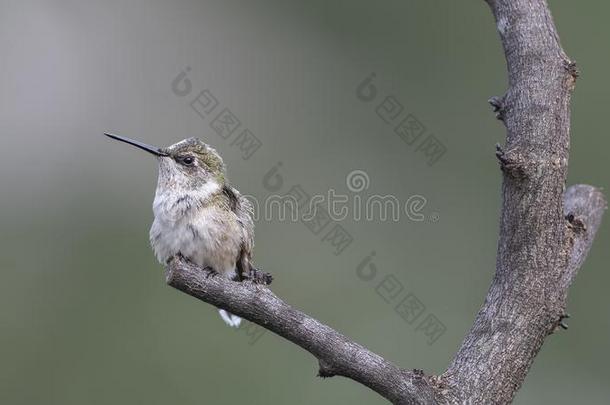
[(177, 257), (210, 272), (260, 277)]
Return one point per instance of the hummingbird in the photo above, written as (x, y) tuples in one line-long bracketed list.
[(198, 215)]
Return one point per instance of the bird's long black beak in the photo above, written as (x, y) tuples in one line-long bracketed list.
[(148, 148)]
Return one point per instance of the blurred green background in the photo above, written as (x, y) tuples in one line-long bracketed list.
[(86, 317)]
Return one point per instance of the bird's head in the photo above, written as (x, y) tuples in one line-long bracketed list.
[(188, 164)]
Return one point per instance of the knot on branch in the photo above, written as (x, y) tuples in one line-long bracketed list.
[(572, 70), (522, 166), (577, 224), (326, 370), (418, 373), (497, 103), (584, 207), (561, 324), (511, 163)]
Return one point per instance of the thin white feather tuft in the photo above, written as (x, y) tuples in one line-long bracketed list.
[(230, 319)]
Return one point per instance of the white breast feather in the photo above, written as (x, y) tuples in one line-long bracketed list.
[(200, 233)]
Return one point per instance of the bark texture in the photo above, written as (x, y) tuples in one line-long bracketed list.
[(545, 235), (541, 244), (336, 354)]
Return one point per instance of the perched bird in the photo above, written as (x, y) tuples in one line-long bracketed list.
[(199, 215)]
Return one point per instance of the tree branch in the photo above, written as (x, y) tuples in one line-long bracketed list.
[(337, 355), (539, 251), (544, 239), (584, 209)]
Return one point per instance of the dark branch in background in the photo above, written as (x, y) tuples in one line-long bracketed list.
[(545, 235)]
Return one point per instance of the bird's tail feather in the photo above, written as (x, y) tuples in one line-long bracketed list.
[(229, 318)]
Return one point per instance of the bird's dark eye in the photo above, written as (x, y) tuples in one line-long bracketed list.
[(187, 160)]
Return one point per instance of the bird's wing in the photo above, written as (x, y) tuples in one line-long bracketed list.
[(242, 208)]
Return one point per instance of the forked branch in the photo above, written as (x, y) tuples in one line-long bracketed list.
[(545, 235)]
